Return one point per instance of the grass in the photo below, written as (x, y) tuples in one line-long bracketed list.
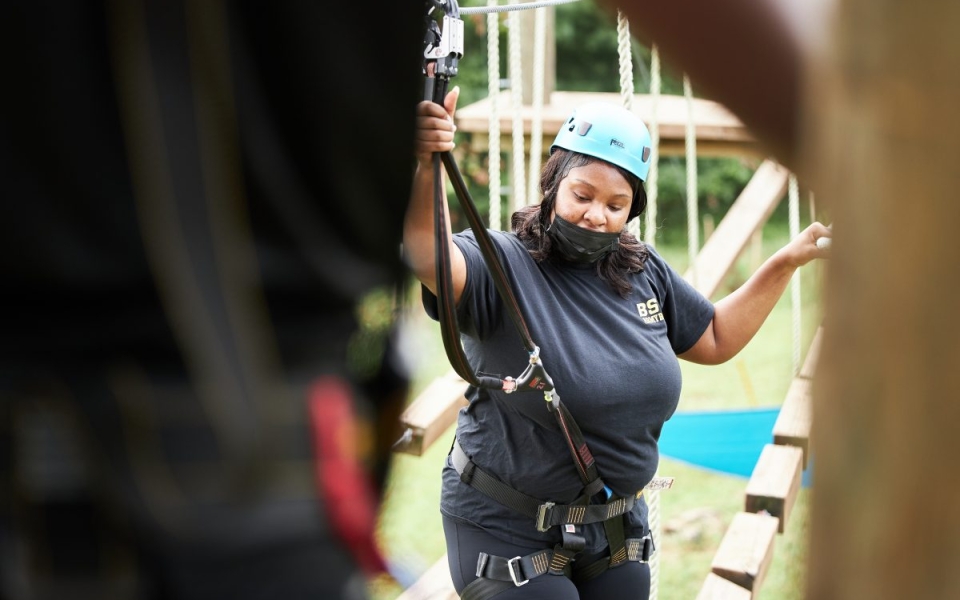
[(694, 514)]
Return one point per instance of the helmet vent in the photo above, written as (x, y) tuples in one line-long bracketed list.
[(646, 154), (584, 128)]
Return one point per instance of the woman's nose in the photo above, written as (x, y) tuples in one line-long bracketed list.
[(595, 215)]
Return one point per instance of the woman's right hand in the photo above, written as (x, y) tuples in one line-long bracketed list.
[(435, 128)]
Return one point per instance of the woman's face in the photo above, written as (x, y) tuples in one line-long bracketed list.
[(596, 197)]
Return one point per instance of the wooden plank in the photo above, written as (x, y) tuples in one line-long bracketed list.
[(746, 550), (796, 417), (431, 413), (718, 588), (775, 482), (716, 127), (813, 355), (747, 215), (434, 584)]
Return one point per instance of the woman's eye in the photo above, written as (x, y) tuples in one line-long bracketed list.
[(616, 208)]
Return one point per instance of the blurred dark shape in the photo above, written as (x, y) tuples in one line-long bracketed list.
[(195, 196)]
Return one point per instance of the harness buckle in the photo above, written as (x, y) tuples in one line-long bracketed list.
[(647, 550), (542, 513), (513, 566)]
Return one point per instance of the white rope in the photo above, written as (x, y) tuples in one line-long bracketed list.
[(493, 131), (516, 97), (624, 50), (653, 521), (650, 226), (650, 231), (693, 218), (626, 61), (626, 83), (536, 124), (793, 197)]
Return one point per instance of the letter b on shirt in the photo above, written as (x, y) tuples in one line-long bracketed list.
[(648, 308)]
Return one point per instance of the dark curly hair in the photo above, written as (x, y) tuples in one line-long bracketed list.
[(530, 223)]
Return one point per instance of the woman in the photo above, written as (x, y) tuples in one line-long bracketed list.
[(611, 318)]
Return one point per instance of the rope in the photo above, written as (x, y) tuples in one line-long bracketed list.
[(493, 7), (626, 61), (624, 47), (793, 195), (493, 131), (516, 96), (650, 226), (693, 225), (650, 230), (626, 83), (536, 125), (653, 521)]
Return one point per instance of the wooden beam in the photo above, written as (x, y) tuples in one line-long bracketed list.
[(431, 413), (746, 550), (716, 127), (747, 215), (775, 482), (813, 355), (796, 417), (434, 584), (718, 588)]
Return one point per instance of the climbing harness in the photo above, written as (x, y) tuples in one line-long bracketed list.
[(441, 56)]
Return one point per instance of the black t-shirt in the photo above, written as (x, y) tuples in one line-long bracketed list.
[(613, 363)]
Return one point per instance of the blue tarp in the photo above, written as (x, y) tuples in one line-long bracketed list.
[(728, 441)]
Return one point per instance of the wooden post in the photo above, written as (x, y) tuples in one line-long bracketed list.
[(796, 417), (432, 413), (882, 145), (775, 483), (746, 550), (718, 588)]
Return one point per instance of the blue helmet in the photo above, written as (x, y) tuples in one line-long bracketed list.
[(608, 132)]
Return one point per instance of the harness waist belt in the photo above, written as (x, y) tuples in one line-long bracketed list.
[(546, 514), (521, 569)]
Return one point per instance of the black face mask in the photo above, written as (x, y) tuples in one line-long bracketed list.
[(580, 245)]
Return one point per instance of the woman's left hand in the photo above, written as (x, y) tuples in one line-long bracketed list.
[(804, 248)]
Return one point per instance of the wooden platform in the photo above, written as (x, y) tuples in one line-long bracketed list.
[(719, 132)]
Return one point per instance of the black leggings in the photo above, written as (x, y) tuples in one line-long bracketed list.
[(465, 542)]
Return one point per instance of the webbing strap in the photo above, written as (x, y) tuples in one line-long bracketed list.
[(497, 573), (616, 540), (449, 329), (547, 514), (491, 486), (436, 89), (576, 443)]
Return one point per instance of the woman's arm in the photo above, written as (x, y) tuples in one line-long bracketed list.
[(434, 133), (738, 317)]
